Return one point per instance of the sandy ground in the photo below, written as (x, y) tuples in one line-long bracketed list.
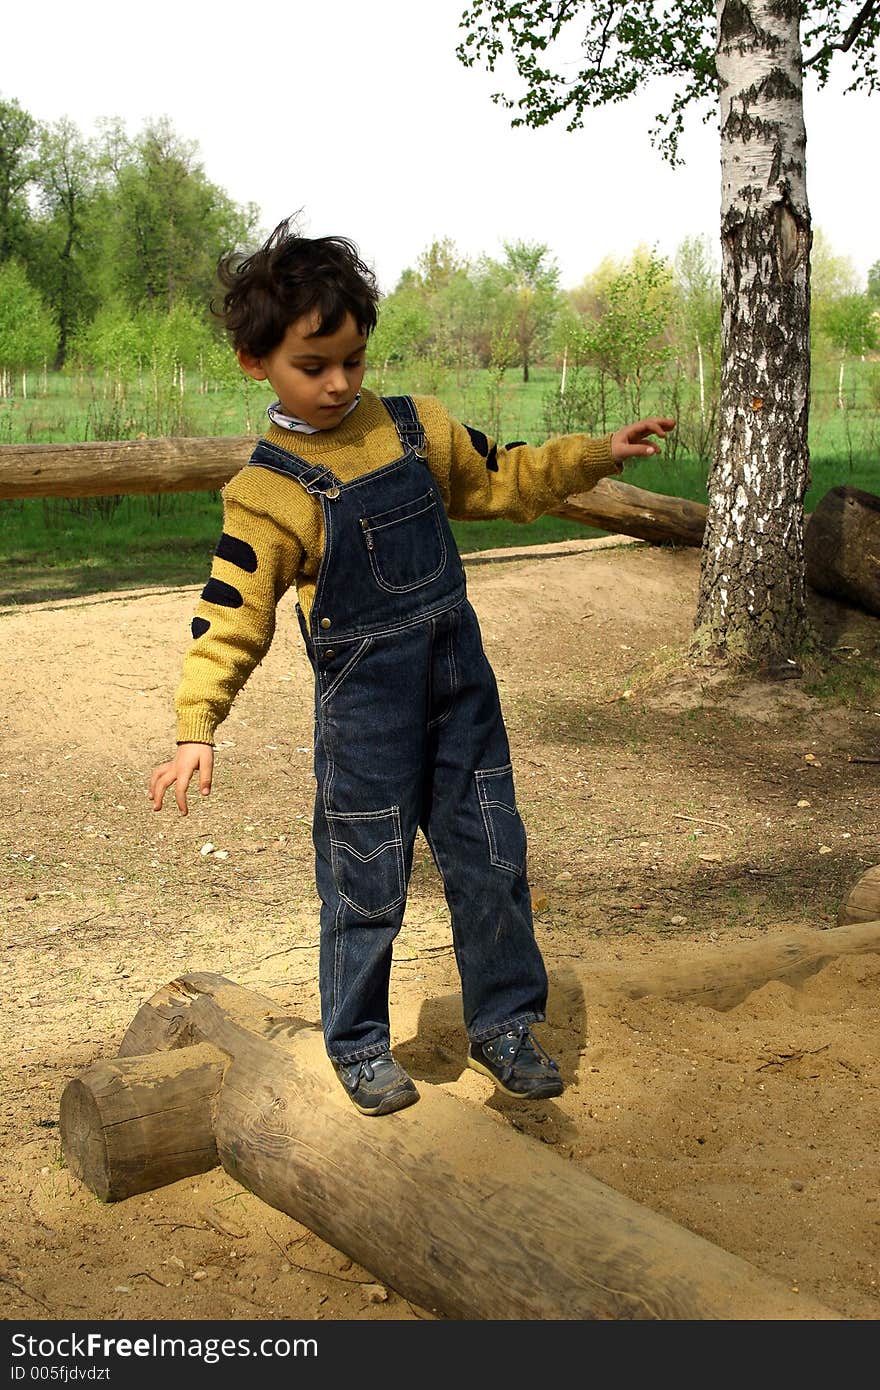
[(672, 824)]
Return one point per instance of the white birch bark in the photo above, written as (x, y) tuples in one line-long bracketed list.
[(751, 606)]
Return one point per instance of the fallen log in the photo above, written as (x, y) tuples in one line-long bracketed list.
[(624, 510), (842, 547), (442, 1202)]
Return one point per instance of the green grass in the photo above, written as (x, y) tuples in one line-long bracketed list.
[(62, 547), (59, 548), (848, 677), (72, 408)]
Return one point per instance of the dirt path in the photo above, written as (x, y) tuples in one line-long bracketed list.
[(668, 823)]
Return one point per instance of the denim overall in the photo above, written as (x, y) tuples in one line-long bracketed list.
[(408, 734)]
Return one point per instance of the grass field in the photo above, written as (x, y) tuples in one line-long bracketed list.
[(61, 547)]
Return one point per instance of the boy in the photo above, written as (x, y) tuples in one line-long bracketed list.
[(347, 496)]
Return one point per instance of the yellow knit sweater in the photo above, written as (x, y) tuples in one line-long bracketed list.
[(273, 530)]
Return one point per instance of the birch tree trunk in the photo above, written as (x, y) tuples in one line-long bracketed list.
[(751, 607)]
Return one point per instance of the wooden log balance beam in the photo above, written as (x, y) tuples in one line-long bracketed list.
[(184, 465), (209, 1072)]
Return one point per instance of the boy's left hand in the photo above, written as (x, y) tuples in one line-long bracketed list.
[(631, 441)]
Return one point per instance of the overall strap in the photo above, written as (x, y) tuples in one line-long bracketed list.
[(406, 422), (314, 477)]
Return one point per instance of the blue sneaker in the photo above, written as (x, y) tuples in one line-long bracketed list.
[(518, 1065), (377, 1085)]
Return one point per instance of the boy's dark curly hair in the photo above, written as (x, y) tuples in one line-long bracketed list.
[(291, 276)]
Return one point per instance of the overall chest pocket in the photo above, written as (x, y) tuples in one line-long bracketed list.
[(406, 545)]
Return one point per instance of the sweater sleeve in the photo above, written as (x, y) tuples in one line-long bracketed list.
[(482, 480), (255, 562)]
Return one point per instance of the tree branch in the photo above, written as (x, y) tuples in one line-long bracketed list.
[(849, 37), (606, 31)]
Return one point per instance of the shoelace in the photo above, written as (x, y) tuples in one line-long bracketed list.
[(366, 1070), (524, 1039)]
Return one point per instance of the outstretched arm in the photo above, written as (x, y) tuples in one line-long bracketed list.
[(482, 480)]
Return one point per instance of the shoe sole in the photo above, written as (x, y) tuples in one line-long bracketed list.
[(546, 1091), (398, 1100)]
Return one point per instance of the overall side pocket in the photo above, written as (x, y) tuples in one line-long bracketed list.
[(504, 828), (366, 852)]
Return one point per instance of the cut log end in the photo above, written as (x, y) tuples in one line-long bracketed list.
[(135, 1123), (84, 1141), (862, 903)]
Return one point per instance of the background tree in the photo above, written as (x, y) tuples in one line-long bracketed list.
[(430, 315), (28, 333), (747, 55), (579, 402), (612, 334), (831, 275), (519, 300), (404, 327), (526, 291), (66, 180), (697, 339), (439, 266), (628, 338), (167, 223), (447, 289), (118, 222), (18, 131), (850, 323), (834, 297)]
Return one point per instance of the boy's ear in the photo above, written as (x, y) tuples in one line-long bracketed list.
[(252, 365)]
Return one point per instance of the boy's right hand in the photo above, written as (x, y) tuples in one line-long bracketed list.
[(633, 441), (189, 758)]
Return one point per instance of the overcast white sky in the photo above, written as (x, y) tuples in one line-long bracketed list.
[(362, 116)]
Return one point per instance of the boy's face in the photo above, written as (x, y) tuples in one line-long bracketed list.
[(315, 378)]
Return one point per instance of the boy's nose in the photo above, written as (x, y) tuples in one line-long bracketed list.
[(337, 382)]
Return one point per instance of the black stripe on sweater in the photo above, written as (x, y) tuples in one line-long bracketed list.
[(237, 552), (223, 594)]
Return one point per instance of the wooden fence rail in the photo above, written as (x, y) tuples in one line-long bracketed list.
[(190, 465), (126, 466)]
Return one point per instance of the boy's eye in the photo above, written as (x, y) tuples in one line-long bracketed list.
[(316, 371)]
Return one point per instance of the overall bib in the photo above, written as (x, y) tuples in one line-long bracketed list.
[(408, 734)]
